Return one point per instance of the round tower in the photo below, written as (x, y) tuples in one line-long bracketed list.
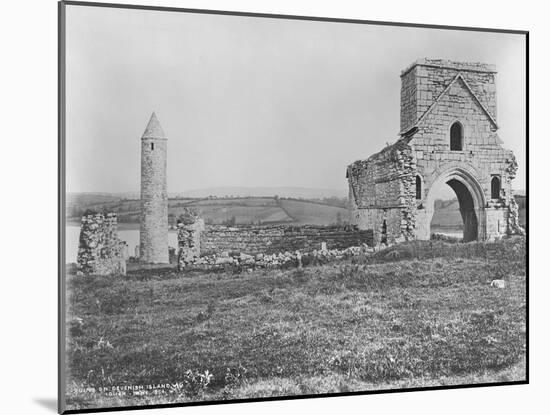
[(153, 234)]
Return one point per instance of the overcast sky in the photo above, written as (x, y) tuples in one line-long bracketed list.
[(253, 101)]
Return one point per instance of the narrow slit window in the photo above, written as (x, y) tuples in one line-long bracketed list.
[(384, 236), (418, 188), (495, 188), (152, 146), (457, 136)]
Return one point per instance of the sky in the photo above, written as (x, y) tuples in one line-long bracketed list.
[(253, 102)]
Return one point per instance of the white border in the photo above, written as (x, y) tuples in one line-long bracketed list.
[(29, 203)]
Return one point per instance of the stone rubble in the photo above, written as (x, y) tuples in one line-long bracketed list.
[(281, 259), (263, 246)]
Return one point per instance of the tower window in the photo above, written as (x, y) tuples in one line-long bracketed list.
[(152, 146), (384, 233), (418, 188), (495, 188), (457, 136)]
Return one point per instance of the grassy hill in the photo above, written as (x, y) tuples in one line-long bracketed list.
[(446, 215), (262, 210), (257, 210), (238, 210), (304, 212)]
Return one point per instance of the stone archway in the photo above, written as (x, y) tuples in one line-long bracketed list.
[(471, 201)]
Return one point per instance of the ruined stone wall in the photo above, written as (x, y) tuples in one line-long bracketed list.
[(197, 239), (409, 114), (189, 240), (253, 240), (99, 248), (382, 191), (216, 245)]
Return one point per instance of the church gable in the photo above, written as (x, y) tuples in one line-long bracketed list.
[(426, 80), (453, 90), (457, 103)]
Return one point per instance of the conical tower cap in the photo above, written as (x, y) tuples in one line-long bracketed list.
[(153, 129)]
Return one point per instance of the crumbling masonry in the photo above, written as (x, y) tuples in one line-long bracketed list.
[(263, 246), (100, 251), (448, 135)]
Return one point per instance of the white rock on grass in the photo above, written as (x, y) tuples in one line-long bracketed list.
[(498, 283)]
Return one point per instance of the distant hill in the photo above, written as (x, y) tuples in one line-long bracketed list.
[(292, 192), (446, 215), (220, 192), (90, 199), (242, 210), (256, 210)]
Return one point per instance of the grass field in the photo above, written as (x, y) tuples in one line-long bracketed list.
[(420, 314), (304, 212), (243, 211)]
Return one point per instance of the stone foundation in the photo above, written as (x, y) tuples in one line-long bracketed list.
[(254, 240), (198, 243)]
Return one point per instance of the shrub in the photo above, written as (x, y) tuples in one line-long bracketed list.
[(195, 382), (99, 378), (116, 300), (207, 314), (265, 297), (235, 377)]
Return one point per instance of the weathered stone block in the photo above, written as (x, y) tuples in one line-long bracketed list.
[(100, 251)]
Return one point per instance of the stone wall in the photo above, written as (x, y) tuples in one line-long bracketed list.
[(253, 240), (382, 192), (408, 98), (189, 240), (270, 243), (100, 251), (275, 260)]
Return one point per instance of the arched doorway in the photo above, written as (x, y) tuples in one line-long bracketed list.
[(470, 199), (467, 210)]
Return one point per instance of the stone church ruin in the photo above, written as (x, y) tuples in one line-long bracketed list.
[(448, 135)]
